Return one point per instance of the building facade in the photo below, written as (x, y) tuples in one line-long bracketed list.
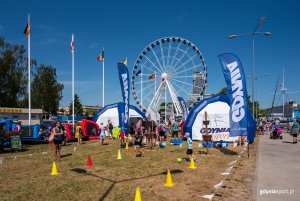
[(291, 110), (22, 115)]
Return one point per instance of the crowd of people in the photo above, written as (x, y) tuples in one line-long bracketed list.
[(275, 129)]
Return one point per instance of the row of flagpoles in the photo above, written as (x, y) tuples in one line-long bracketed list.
[(100, 57)]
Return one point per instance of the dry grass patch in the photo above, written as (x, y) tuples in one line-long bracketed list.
[(28, 178)]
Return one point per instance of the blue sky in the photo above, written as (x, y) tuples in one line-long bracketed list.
[(125, 28)]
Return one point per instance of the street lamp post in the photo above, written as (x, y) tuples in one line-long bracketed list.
[(253, 33), (256, 78)]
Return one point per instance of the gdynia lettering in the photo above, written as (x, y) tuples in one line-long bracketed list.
[(238, 111), (215, 130)]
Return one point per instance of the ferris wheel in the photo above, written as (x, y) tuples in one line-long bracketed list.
[(166, 69)]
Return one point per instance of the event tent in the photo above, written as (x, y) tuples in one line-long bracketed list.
[(217, 108), (112, 113)]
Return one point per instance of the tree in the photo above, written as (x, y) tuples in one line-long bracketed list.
[(13, 76), (78, 111), (223, 91), (46, 91)]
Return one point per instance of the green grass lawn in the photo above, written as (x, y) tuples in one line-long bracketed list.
[(27, 177)]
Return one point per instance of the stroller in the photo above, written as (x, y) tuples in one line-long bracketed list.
[(277, 133)]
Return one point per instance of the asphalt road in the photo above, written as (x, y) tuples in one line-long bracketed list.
[(277, 174)]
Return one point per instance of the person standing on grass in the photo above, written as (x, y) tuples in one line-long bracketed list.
[(110, 128), (189, 143), (64, 134), (102, 135), (295, 131), (57, 132), (175, 130), (78, 134)]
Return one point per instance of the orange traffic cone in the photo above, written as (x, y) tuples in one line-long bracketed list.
[(89, 161), (169, 181)]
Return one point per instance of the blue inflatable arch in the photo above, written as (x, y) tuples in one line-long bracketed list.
[(194, 112), (222, 98)]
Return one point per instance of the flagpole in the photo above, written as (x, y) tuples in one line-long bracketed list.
[(103, 82), (73, 109), (29, 78), (141, 90)]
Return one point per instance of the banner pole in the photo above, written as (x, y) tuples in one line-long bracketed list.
[(248, 149)]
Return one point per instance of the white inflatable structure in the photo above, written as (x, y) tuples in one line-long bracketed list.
[(112, 113), (217, 108)]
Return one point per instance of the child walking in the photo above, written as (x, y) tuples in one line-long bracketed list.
[(189, 143)]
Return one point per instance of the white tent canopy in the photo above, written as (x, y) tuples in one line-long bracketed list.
[(112, 113)]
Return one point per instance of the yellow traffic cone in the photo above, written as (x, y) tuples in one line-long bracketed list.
[(192, 163), (54, 169), (138, 195), (169, 182), (119, 155), (126, 147)]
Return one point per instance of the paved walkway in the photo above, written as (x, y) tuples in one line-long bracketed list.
[(277, 170)]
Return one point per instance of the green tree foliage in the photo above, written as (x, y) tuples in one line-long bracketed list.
[(46, 91), (223, 91), (78, 111), (13, 70)]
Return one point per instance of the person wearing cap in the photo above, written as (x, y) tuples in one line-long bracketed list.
[(189, 150)]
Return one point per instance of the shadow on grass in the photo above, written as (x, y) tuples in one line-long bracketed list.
[(114, 182), (8, 150), (226, 151), (65, 155), (202, 152)]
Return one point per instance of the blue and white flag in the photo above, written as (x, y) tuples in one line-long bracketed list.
[(125, 87), (236, 90), (183, 106)]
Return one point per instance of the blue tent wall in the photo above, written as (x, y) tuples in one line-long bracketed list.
[(194, 112)]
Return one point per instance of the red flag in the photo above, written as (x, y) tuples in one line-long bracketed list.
[(27, 29), (72, 46), (101, 56), (152, 76)]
